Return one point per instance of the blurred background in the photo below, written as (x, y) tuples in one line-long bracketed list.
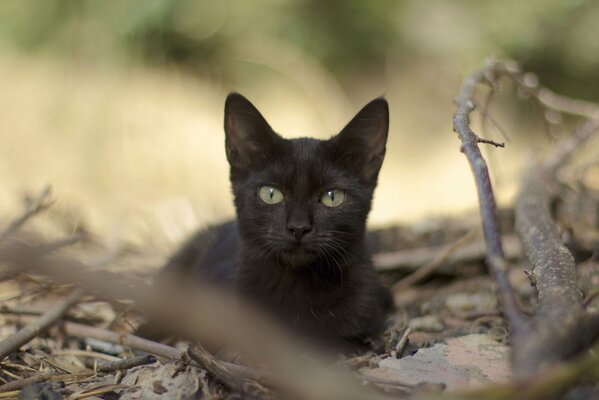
[(118, 104)]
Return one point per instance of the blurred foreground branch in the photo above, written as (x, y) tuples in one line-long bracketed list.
[(190, 312)]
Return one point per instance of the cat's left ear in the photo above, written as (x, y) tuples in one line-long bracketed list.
[(361, 144)]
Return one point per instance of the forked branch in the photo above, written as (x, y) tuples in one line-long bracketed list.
[(465, 103), (561, 327)]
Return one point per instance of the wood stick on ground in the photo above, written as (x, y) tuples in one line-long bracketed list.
[(42, 377), (465, 102), (231, 380), (85, 331), (78, 330), (401, 343), (413, 259), (97, 391), (37, 204), (159, 349), (562, 326), (430, 267), (23, 336), (21, 383), (93, 355), (13, 395), (172, 353), (126, 363)]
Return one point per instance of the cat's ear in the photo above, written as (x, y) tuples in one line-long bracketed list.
[(361, 144), (249, 139)]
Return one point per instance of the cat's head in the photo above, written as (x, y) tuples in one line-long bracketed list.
[(303, 200)]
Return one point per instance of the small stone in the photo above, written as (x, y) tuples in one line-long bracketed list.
[(466, 361), (460, 303), (427, 323)]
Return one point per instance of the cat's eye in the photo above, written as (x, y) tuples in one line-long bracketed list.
[(333, 198), (270, 195)]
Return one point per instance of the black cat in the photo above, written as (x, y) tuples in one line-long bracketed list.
[(297, 248)]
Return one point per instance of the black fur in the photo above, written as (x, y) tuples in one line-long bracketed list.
[(304, 262)]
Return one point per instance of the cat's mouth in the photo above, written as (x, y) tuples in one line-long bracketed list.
[(297, 255)]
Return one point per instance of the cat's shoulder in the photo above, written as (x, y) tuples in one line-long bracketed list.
[(210, 253)]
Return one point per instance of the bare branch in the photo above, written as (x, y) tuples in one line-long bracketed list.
[(465, 102), (12, 343), (491, 142), (427, 269), (223, 374), (21, 383), (413, 259), (563, 327), (126, 363)]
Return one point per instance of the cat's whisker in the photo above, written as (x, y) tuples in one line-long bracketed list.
[(330, 257), (329, 253)]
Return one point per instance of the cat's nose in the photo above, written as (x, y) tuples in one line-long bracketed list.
[(299, 230)]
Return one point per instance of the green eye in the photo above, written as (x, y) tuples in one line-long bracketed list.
[(270, 195), (333, 198)]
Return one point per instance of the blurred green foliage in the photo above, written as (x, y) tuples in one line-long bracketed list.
[(556, 38)]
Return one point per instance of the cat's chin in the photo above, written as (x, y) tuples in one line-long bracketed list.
[(297, 256)]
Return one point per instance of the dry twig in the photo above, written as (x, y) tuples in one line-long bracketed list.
[(413, 259), (12, 343), (430, 267), (43, 377), (21, 383), (233, 381), (37, 204), (126, 363)]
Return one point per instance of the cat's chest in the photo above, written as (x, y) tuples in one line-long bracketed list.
[(303, 293), (343, 308)]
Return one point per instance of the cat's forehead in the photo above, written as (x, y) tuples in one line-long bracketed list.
[(306, 150), (303, 162)]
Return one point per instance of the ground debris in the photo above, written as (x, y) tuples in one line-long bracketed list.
[(168, 381), (447, 328)]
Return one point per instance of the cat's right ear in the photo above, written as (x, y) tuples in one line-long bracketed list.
[(249, 139)]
